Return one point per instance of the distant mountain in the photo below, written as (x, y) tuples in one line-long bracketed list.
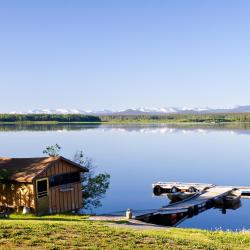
[(140, 111)]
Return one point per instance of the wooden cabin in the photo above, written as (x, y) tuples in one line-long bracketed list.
[(45, 185)]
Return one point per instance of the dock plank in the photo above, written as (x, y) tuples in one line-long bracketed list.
[(199, 200)]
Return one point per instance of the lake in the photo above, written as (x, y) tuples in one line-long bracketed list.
[(138, 155)]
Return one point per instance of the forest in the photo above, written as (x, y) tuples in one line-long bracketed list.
[(68, 118), (170, 118), (180, 118)]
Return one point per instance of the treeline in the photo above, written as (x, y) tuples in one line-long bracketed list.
[(196, 118), (48, 118), (171, 118)]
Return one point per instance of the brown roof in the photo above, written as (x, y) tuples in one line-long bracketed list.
[(26, 169)]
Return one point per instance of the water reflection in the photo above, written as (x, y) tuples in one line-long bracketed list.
[(137, 128), (159, 218), (46, 127)]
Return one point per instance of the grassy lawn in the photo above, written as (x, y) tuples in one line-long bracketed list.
[(73, 232)]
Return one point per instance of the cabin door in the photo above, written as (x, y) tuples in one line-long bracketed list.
[(42, 196)]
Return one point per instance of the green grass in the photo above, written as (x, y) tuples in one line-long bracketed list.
[(74, 232)]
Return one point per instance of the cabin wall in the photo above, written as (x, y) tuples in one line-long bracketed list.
[(17, 195), (65, 197)]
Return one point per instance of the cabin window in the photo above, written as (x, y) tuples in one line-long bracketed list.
[(42, 188), (63, 179)]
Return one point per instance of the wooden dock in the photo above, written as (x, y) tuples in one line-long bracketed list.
[(205, 198), (197, 203)]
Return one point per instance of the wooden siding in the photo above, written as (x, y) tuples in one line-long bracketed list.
[(59, 167), (65, 197), (17, 195)]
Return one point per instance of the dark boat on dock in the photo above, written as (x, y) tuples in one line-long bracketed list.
[(229, 200), (177, 191)]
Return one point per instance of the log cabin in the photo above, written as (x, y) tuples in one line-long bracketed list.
[(43, 185)]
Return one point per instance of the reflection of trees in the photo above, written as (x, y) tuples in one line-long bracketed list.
[(46, 127), (240, 128)]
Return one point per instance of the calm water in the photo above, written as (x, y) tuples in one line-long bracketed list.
[(137, 156)]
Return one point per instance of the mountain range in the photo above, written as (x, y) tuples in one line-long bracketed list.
[(141, 111)]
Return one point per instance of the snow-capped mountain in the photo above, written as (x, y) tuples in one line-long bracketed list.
[(141, 111)]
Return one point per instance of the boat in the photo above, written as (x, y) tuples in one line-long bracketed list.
[(180, 196), (229, 200), (165, 188), (175, 193)]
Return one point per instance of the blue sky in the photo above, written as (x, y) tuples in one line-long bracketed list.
[(128, 53)]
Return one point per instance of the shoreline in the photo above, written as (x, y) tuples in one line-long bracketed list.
[(124, 122)]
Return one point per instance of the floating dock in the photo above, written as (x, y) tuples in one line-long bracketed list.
[(205, 196), (197, 202)]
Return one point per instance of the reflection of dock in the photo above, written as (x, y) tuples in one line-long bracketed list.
[(202, 197)]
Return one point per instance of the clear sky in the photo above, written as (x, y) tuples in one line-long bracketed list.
[(91, 54)]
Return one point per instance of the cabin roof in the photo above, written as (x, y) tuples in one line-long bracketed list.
[(26, 169)]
